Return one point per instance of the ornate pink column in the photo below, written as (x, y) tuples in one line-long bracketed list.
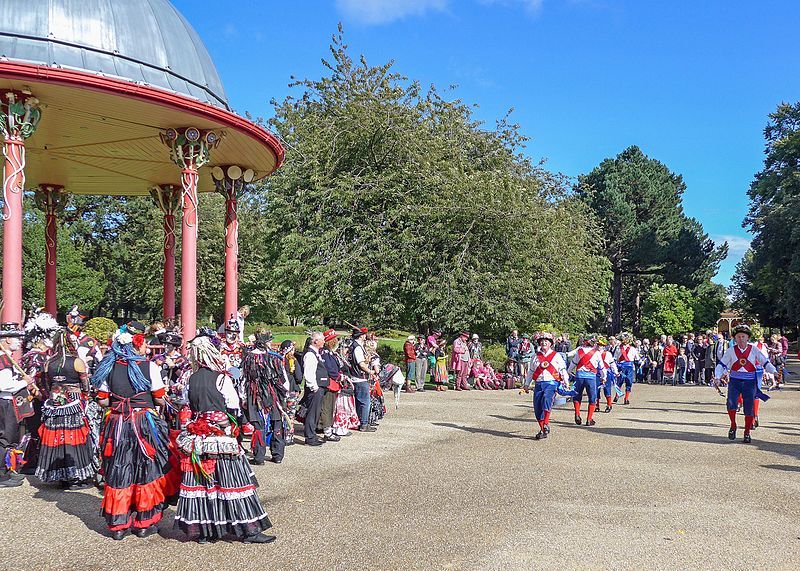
[(168, 199), (190, 149), (230, 182), (19, 117), (51, 199)]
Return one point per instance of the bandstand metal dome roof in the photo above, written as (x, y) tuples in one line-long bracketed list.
[(143, 41), (111, 76)]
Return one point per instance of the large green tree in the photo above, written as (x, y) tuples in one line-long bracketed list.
[(767, 283), (667, 310), (648, 237), (397, 207)]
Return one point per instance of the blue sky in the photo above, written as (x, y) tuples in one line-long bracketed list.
[(690, 82)]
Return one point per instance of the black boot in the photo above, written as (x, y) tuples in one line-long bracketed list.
[(259, 538), (732, 434), (577, 419)]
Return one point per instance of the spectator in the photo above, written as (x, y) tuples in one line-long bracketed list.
[(475, 348), (421, 370), (315, 376), (512, 351), (460, 361), (360, 374), (410, 356)]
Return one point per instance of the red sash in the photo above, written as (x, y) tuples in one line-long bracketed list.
[(585, 360), (623, 351), (742, 362), (545, 364)]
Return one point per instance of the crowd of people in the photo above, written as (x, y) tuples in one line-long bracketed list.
[(154, 419), (610, 366)]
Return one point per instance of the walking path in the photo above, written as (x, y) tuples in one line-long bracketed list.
[(454, 481)]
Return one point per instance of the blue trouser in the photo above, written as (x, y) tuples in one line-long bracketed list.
[(587, 381), (411, 371), (608, 386), (363, 402), (745, 386), (626, 376), (760, 377), (544, 392)]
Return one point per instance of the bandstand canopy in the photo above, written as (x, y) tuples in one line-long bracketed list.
[(111, 75)]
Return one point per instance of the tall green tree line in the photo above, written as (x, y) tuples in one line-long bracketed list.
[(767, 280)]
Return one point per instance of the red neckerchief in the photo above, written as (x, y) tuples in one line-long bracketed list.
[(743, 360)]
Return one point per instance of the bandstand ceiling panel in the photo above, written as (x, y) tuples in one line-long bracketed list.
[(93, 142)]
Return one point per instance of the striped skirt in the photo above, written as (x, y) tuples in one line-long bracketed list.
[(218, 494), (66, 450)]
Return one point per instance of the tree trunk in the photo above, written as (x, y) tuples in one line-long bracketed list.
[(637, 316), (616, 316)]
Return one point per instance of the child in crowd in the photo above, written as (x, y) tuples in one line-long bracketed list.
[(681, 365)]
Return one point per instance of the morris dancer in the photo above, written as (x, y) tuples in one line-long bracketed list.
[(13, 382), (67, 451), (626, 357), (607, 381), (39, 331), (266, 385), (138, 469), (588, 365), (740, 363), (218, 489), (175, 371), (87, 348), (547, 372), (231, 348)]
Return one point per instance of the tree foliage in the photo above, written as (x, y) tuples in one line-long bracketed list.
[(396, 207), (767, 283), (667, 310), (648, 237)]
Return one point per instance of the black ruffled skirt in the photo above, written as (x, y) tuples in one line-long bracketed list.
[(65, 450), (218, 493)]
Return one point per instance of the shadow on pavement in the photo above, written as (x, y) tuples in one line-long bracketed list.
[(711, 424), (517, 419), (85, 507), (781, 467), (690, 411), (791, 450), (487, 431)]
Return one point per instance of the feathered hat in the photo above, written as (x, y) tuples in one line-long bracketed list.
[(40, 327)]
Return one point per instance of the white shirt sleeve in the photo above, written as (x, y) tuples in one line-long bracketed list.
[(155, 377), (225, 386), (561, 367), (310, 370), (763, 360), (724, 363), (10, 384)]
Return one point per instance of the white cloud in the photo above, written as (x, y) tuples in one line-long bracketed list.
[(373, 12), (531, 6), (737, 245)]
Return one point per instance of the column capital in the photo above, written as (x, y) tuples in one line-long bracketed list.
[(190, 147), (230, 180), (19, 115), (50, 198), (167, 197)]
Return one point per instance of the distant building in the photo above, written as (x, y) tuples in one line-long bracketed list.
[(730, 319)]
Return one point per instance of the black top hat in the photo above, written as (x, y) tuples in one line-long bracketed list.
[(11, 329)]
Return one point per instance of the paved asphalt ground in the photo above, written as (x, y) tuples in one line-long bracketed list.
[(455, 481)]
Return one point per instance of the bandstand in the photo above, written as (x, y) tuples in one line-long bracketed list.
[(119, 97)]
